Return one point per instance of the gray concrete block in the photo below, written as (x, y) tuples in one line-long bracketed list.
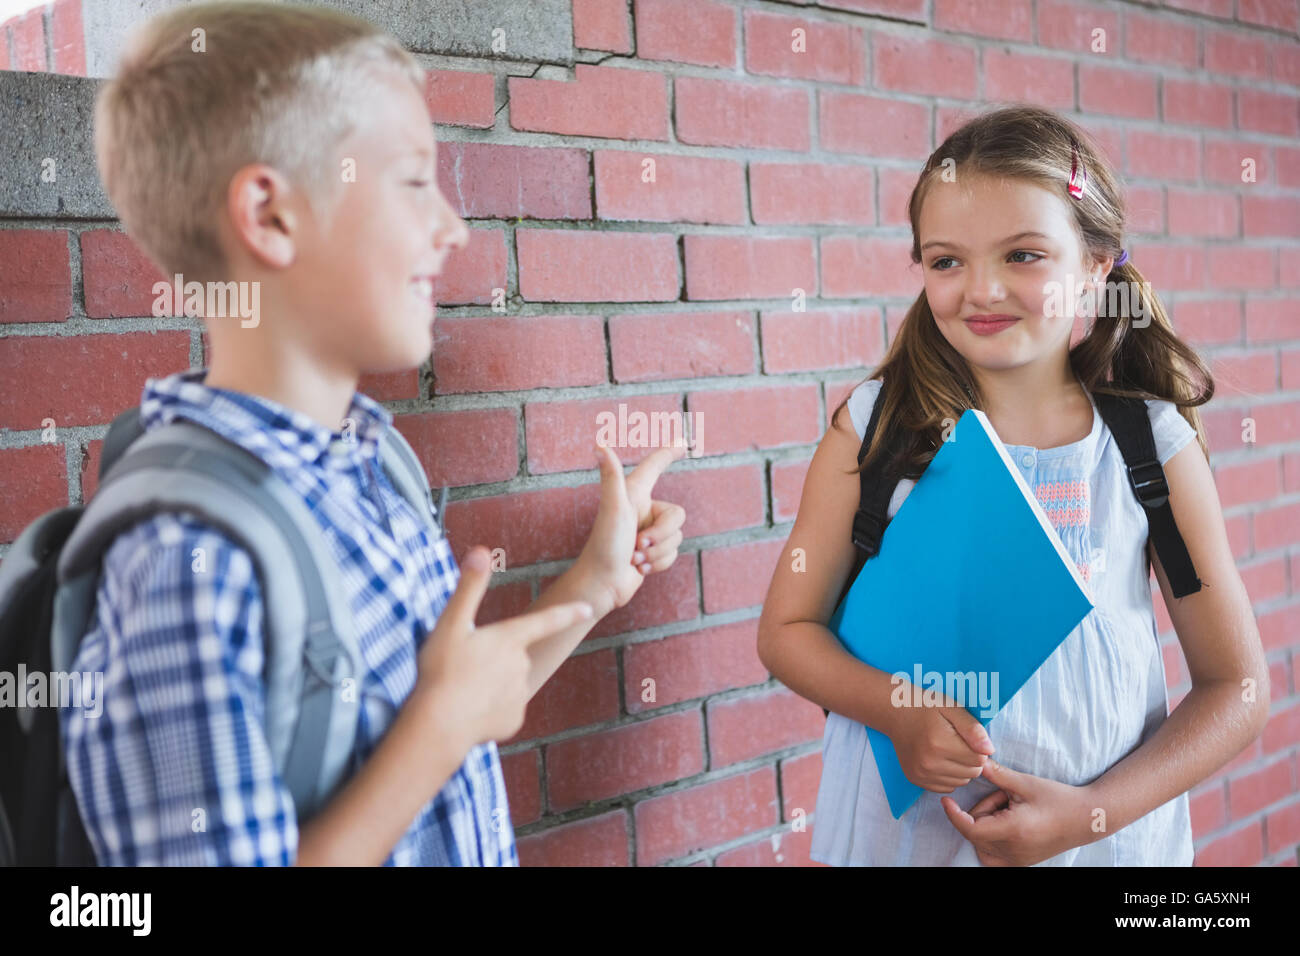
[(45, 116), (531, 30)]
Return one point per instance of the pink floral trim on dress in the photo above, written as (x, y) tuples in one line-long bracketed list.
[(1067, 504)]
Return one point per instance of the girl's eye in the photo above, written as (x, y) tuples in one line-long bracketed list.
[(1019, 252), (419, 183)]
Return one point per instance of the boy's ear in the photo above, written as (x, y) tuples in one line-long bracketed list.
[(259, 205)]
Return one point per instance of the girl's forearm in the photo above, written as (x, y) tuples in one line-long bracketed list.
[(810, 660), (1209, 727)]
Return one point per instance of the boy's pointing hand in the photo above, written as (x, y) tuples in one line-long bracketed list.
[(634, 534)]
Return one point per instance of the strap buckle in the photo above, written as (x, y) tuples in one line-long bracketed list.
[(867, 531), (1148, 481)]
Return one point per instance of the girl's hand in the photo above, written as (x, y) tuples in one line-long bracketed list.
[(939, 748), (1030, 819)]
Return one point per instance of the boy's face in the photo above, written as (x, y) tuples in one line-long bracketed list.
[(365, 272), (974, 266)]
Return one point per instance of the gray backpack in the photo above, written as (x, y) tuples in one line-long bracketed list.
[(49, 580)]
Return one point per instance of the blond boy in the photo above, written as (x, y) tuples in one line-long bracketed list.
[(291, 147)]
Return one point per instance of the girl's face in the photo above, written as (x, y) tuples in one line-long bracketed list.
[(1005, 249)]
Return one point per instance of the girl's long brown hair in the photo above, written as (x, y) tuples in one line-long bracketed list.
[(926, 380)]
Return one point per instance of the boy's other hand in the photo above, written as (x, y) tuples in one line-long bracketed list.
[(634, 534), (473, 681)]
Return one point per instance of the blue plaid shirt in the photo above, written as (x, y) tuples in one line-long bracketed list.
[(176, 770)]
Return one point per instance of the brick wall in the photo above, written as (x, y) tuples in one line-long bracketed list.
[(774, 171)]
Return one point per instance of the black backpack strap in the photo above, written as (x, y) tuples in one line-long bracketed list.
[(874, 493), (1130, 423)]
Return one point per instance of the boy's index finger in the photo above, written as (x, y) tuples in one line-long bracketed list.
[(537, 625), (645, 475)]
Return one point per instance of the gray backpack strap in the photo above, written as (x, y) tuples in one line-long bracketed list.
[(310, 647), (404, 470)]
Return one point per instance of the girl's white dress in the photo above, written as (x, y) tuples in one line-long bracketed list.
[(1099, 695)]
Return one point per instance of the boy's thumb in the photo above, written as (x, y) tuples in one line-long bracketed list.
[(462, 607)]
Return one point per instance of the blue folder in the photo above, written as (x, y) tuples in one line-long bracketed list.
[(971, 580)]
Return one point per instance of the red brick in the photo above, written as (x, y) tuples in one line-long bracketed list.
[(1233, 267), (1162, 40), (810, 193), (29, 41), (1254, 791), (1290, 369), (854, 267), (1250, 374), (800, 779), (1283, 828), (600, 101), (873, 125), (530, 526), (1002, 19), (684, 188), (33, 480), (1197, 103), (716, 499), (739, 267), (523, 786), (1224, 159), (665, 598), (1262, 111), (1069, 26), (647, 347), (1169, 157), (760, 723), (738, 576), (779, 849), (624, 760), (597, 841), (1275, 216), (1236, 54), (582, 266), (390, 386), (1209, 321), (1015, 77), (924, 65), (1198, 213), (83, 379), (913, 10), (67, 38), (491, 354), (1209, 808), (90, 460), (1282, 731), (1247, 482), (729, 113), (35, 275), (691, 665), (472, 274), (814, 341), (686, 31), (460, 98), (1210, 8), (491, 181), (757, 418), (678, 824), (584, 690), (1272, 320), (1274, 14), (601, 25), (560, 435), (1243, 847), (1117, 92), (470, 447), (787, 487), (830, 53), (502, 601), (118, 276)]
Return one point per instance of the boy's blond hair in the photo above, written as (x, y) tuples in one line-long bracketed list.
[(261, 83)]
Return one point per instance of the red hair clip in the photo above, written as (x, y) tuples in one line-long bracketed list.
[(1078, 177)]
